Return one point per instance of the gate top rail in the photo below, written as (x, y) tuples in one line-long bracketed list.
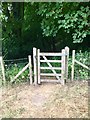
[(51, 54)]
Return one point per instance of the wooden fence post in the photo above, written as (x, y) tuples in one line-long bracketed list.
[(73, 62), (30, 69), (63, 67), (35, 65), (2, 69), (38, 60), (66, 61)]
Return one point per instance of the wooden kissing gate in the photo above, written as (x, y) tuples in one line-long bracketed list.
[(37, 55), (60, 77)]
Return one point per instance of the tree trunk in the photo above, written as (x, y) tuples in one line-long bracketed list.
[(18, 12), (53, 44)]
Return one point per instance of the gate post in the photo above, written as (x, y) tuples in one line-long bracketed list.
[(38, 62), (73, 62), (66, 61), (30, 70), (35, 65), (63, 67)]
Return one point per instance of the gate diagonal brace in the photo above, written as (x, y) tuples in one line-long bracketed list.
[(51, 68)]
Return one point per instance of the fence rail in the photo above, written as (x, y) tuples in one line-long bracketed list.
[(73, 64), (82, 65), (20, 72)]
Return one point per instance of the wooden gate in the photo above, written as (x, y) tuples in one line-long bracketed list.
[(42, 57)]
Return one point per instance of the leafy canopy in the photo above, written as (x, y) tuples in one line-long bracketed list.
[(73, 18)]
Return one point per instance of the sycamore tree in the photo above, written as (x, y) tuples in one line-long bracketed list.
[(73, 18)]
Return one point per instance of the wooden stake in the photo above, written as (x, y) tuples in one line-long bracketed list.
[(30, 69), (73, 62), (38, 56), (2, 69), (35, 65), (63, 67), (66, 62)]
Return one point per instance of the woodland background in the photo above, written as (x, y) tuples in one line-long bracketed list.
[(47, 26)]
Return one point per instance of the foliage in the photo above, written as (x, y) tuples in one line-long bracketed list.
[(72, 18), (11, 70), (80, 73), (47, 26), (84, 58)]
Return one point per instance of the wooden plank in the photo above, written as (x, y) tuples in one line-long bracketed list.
[(38, 56), (35, 66), (51, 54), (48, 68), (63, 68), (2, 69), (20, 72), (51, 81), (51, 61), (52, 68), (73, 62), (82, 64), (49, 74), (30, 70), (66, 62)]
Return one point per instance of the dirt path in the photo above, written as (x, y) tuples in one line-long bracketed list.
[(46, 100)]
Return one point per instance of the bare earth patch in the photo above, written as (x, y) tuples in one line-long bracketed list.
[(45, 101)]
